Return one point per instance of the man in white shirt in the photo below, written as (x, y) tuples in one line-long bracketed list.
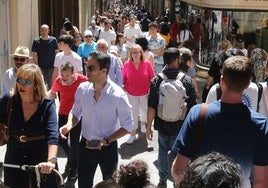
[(107, 33), (252, 96), (67, 55), (132, 31)]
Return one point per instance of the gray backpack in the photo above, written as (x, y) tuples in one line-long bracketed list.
[(172, 95)]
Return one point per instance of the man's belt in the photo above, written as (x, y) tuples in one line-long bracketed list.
[(24, 138)]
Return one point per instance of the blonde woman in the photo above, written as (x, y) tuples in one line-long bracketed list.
[(137, 73), (33, 129)]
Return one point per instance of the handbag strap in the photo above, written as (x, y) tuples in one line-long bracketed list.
[(8, 110), (200, 130)]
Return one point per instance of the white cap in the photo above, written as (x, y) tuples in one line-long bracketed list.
[(87, 32)]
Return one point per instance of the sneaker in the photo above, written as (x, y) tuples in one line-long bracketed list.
[(131, 139), (162, 184), (73, 175), (143, 128)]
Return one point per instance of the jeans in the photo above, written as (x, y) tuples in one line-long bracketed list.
[(165, 144), (72, 150), (89, 159)]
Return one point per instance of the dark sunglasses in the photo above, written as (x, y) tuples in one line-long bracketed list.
[(23, 82), (88, 36), (90, 68), (19, 59)]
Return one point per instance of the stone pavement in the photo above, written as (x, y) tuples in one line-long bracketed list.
[(140, 149)]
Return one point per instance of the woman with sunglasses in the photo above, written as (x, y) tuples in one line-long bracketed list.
[(33, 130)]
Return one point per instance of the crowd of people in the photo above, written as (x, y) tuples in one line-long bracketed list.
[(128, 71)]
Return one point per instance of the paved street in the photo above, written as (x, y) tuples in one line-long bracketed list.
[(140, 149), (127, 153)]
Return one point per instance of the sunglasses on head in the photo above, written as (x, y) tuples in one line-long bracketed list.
[(19, 59), (23, 82)]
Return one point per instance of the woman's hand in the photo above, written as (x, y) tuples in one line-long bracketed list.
[(46, 167)]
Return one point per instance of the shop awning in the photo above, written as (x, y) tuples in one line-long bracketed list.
[(231, 4)]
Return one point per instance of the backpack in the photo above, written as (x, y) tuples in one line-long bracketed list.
[(172, 95)]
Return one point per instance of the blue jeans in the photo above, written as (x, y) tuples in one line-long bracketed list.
[(165, 144), (89, 159)]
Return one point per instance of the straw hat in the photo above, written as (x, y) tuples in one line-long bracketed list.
[(22, 51)]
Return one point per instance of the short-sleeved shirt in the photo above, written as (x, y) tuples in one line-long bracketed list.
[(105, 116), (137, 81), (84, 49), (109, 36), (74, 58), (132, 32), (232, 129), (156, 44), (45, 51), (249, 98), (215, 70), (67, 92)]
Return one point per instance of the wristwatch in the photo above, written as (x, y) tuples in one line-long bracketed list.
[(53, 160)]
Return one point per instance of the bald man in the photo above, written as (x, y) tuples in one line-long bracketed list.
[(44, 50)]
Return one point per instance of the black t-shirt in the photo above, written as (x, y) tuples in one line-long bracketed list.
[(215, 71), (45, 51)]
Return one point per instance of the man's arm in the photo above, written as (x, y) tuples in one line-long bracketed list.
[(260, 176), (118, 134), (150, 118), (179, 168), (209, 82), (159, 51), (35, 58), (71, 123), (56, 51)]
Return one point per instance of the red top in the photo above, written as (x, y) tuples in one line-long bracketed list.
[(137, 81), (174, 30), (67, 92)]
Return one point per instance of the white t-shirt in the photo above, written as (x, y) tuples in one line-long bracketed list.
[(109, 36), (132, 33), (74, 58), (250, 97)]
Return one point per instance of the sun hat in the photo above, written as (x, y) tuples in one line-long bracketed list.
[(22, 51)]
